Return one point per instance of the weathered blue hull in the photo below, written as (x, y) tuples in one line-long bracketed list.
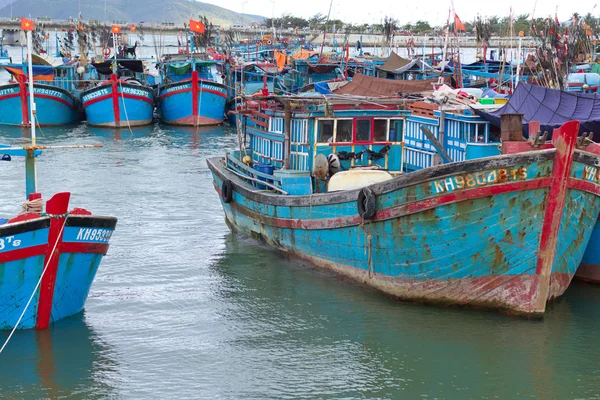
[(193, 102), (589, 270), (26, 253), (54, 106), (118, 105), (505, 232)]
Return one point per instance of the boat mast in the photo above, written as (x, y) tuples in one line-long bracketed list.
[(30, 173), (114, 66)]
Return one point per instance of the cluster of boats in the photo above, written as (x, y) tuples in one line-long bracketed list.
[(409, 176)]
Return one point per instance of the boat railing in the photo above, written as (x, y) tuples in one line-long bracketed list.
[(254, 177)]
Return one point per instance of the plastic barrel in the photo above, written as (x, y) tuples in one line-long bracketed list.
[(265, 169), (392, 135)]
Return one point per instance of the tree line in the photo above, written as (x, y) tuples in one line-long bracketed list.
[(494, 26)]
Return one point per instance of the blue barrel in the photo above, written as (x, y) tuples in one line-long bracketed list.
[(392, 135), (265, 169)]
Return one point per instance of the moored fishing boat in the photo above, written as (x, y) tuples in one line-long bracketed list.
[(119, 102), (49, 255), (57, 104), (189, 94), (505, 232), (123, 100)]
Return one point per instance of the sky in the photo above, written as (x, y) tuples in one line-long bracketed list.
[(433, 11)]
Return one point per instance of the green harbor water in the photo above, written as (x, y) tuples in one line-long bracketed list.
[(181, 308)]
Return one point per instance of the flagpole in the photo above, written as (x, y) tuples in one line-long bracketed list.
[(30, 76), (30, 172), (114, 67)]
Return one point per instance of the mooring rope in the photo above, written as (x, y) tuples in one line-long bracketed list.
[(36, 286), (125, 109)]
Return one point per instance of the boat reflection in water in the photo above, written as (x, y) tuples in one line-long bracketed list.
[(68, 360), (354, 343)]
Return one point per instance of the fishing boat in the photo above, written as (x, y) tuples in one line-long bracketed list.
[(49, 254), (54, 88), (504, 232), (121, 98), (189, 94)]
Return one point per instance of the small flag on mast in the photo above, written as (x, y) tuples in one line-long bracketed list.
[(196, 26), (116, 29), (458, 25), (27, 24)]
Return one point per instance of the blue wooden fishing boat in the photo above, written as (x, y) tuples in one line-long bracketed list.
[(189, 94), (325, 182), (54, 89), (49, 254), (122, 100)]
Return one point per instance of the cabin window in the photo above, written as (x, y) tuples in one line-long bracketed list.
[(344, 131), (380, 130), (325, 131), (395, 130), (363, 130)]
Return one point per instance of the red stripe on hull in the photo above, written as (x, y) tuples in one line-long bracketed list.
[(397, 211), (136, 97), (564, 140), (202, 90), (72, 247), (9, 96), (195, 96), (21, 254), (108, 96), (60, 100), (58, 204), (586, 186), (115, 99), (97, 99)]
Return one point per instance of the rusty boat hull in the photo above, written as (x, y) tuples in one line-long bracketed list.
[(507, 232)]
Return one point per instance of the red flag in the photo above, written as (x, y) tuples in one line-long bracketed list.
[(116, 29), (458, 25), (132, 28), (196, 26), (27, 24)]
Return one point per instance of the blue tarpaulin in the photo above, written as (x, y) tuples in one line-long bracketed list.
[(322, 87), (551, 107)]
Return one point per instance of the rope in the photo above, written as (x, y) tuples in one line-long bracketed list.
[(34, 289), (36, 206), (125, 109)]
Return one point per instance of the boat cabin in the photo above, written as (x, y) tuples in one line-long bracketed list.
[(327, 137)]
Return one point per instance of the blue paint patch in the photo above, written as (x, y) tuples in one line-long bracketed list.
[(24, 240)]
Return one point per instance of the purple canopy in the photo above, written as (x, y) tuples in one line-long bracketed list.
[(550, 107)]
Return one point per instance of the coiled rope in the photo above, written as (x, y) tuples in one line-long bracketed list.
[(36, 206)]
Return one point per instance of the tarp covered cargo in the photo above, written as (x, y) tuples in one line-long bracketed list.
[(551, 107), (393, 63), (362, 85)]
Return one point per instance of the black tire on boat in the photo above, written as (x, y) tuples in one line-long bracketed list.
[(227, 191), (366, 203)]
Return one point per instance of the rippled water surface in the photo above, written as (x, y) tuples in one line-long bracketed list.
[(183, 309)]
